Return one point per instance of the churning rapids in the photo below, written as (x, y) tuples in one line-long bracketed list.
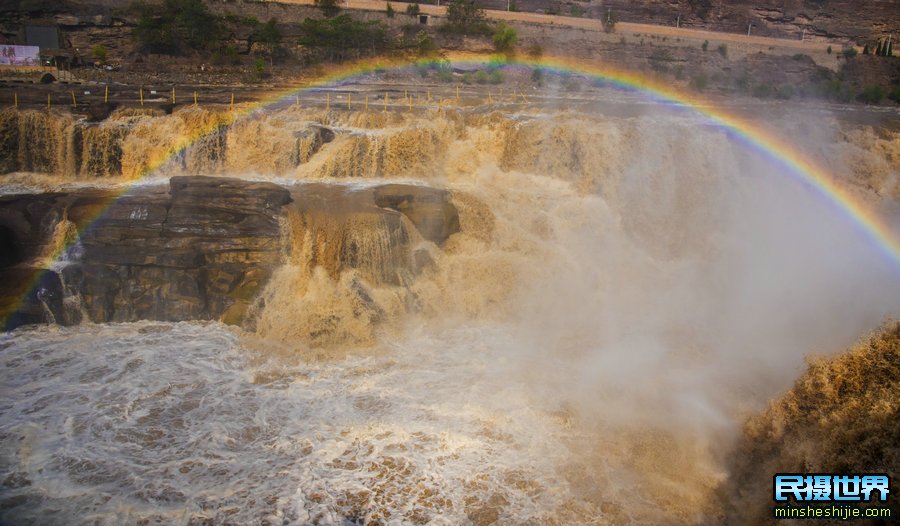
[(623, 290)]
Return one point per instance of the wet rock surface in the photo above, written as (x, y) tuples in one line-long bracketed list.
[(429, 209), (201, 247)]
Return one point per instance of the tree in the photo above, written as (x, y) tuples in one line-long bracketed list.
[(268, 35), (329, 7), (389, 10), (341, 37), (413, 9), (464, 16), (259, 69), (175, 26), (504, 38)]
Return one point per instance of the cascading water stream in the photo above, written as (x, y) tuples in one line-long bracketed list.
[(616, 294)]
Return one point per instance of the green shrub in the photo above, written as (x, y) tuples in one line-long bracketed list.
[(849, 52), (537, 76), (894, 95), (872, 94), (259, 69), (784, 92), (766, 91), (723, 50), (389, 10), (424, 43), (343, 37), (413, 9), (705, 45), (535, 50), (659, 60), (504, 38), (835, 90), (701, 7), (828, 50), (98, 51), (699, 82), (268, 33), (232, 55)]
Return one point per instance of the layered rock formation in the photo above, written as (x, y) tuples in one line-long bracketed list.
[(202, 248)]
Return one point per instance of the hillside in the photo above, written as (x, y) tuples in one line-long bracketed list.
[(777, 18), (706, 54)]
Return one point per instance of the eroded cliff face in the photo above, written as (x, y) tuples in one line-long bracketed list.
[(204, 248), (779, 18)]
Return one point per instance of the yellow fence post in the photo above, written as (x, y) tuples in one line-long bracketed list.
[(232, 102), (348, 101), (173, 95), (409, 101), (16, 99), (327, 101), (367, 104), (48, 102), (74, 102), (142, 95), (195, 98), (106, 94), (385, 102)]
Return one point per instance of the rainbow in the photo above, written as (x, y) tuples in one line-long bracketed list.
[(765, 142)]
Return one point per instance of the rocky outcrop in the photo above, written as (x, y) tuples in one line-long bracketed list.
[(198, 250), (429, 210), (202, 248)]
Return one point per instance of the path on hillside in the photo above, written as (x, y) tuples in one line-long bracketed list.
[(596, 25)]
